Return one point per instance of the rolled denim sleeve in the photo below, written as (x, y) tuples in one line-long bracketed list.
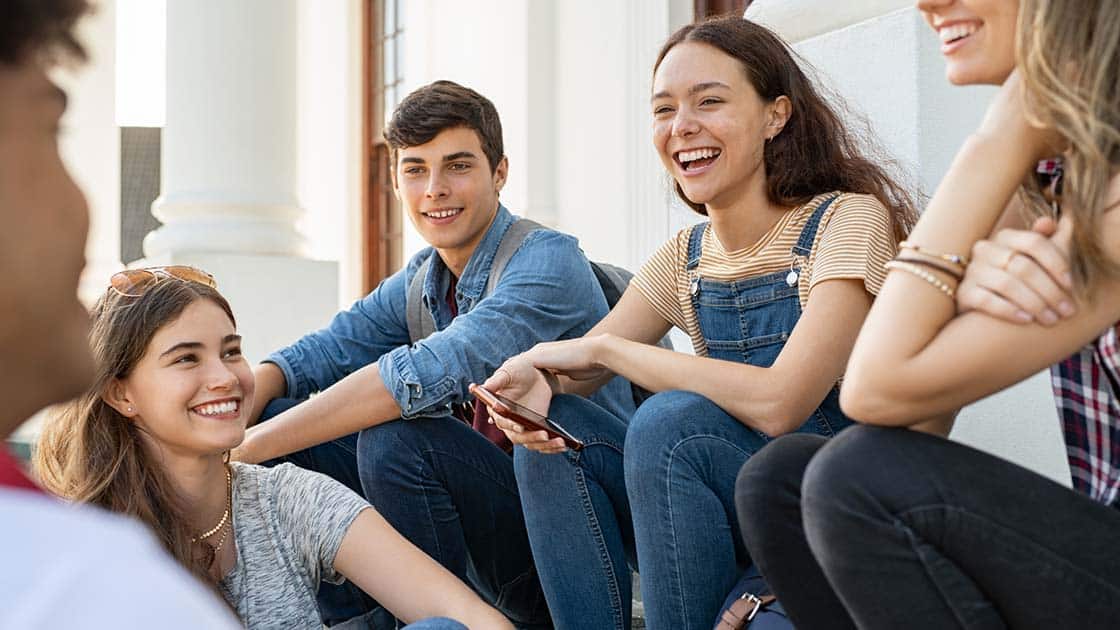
[(354, 338), (547, 292)]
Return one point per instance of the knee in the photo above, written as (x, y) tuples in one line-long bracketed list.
[(388, 446), (771, 480), (656, 433)]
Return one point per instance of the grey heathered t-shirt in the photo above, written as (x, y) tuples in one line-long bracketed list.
[(288, 523)]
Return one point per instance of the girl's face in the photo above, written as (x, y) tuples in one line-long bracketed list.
[(977, 38), (192, 389), (709, 123)]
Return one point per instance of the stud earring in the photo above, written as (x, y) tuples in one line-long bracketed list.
[(130, 410)]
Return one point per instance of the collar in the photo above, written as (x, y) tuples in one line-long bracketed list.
[(473, 281), (12, 476)]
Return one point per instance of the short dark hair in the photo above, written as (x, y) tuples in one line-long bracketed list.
[(39, 27), (427, 111)]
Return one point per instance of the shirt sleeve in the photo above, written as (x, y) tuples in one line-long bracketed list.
[(856, 243), (352, 340), (657, 280), (546, 292), (313, 513)]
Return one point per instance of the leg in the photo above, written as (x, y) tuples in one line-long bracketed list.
[(964, 539), (336, 459), (579, 519), (682, 455), (768, 502), (436, 623), (453, 494)]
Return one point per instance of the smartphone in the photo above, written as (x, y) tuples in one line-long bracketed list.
[(524, 416)]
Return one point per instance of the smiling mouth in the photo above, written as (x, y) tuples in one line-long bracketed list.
[(443, 213), (223, 409), (694, 159), (957, 32)]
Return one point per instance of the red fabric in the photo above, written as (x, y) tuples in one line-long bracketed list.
[(11, 475), (474, 413)]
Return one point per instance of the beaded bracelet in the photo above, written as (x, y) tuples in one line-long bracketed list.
[(953, 272), (923, 274), (951, 258)]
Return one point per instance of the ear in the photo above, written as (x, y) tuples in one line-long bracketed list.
[(780, 111), (500, 174), (393, 178), (116, 396)]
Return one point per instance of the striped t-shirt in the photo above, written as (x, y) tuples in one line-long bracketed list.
[(854, 241)]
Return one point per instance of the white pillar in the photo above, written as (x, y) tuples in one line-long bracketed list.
[(882, 58), (229, 177)]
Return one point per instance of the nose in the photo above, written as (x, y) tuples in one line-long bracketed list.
[(437, 187), (930, 5), (685, 124), (220, 378)]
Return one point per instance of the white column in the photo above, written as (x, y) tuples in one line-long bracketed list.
[(229, 161), (229, 171), (881, 57)]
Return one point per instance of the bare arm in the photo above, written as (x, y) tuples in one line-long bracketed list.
[(404, 579), (358, 401), (914, 358), (270, 383)]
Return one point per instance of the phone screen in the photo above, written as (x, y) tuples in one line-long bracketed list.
[(526, 416)]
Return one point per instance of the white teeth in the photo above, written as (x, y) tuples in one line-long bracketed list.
[(697, 154), (444, 214), (956, 31), (215, 409)]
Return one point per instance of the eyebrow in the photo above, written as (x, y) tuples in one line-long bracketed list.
[(193, 345), (699, 87), (461, 155)]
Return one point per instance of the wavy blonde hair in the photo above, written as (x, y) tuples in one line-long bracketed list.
[(90, 453), (1069, 58)]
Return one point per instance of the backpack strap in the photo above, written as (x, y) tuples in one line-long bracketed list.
[(419, 318), (511, 242)]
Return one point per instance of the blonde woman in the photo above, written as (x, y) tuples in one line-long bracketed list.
[(889, 528), (151, 439)]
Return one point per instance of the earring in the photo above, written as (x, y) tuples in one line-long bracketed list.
[(130, 410)]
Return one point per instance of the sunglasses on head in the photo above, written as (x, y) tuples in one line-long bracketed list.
[(134, 282)]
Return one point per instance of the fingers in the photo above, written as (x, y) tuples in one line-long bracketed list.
[(499, 380), (532, 440), (1039, 248)]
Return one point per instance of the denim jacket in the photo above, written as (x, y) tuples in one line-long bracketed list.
[(546, 292)]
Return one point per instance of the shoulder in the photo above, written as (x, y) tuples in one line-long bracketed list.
[(857, 213), (286, 484)]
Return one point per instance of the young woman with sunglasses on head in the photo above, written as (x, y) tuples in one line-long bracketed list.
[(889, 528), (151, 438), (771, 291)]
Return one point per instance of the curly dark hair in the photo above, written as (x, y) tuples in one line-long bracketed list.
[(815, 152), (424, 113), (29, 28)]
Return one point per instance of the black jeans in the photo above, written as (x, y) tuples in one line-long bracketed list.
[(891, 528)]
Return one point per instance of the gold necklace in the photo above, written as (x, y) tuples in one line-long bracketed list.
[(225, 515)]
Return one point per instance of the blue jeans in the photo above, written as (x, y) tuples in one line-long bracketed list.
[(449, 491), (452, 493), (662, 487)]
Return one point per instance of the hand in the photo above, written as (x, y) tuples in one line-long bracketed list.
[(1020, 276), (244, 452), (1006, 120), (518, 380)]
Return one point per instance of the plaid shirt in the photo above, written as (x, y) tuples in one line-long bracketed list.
[(1087, 391)]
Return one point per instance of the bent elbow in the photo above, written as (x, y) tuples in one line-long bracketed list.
[(877, 399)]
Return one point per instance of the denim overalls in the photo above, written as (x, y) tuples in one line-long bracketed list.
[(749, 321)]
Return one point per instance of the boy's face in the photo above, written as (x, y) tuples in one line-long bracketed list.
[(449, 192), (44, 353)]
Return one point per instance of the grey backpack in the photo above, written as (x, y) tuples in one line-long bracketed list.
[(613, 281)]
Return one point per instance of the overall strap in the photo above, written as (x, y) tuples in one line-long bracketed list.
[(695, 238), (511, 241), (809, 232), (419, 318)]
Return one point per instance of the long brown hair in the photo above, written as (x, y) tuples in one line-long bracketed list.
[(1069, 57), (90, 453), (815, 152)]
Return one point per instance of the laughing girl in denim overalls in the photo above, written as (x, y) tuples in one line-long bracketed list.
[(771, 292)]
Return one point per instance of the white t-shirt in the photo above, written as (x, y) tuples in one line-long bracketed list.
[(67, 566)]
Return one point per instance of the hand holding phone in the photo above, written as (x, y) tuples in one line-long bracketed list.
[(524, 416)]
